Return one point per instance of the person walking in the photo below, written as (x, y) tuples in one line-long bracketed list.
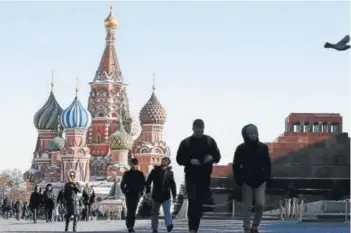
[(88, 200), (252, 170), (17, 210), (197, 154), (60, 201), (49, 202), (35, 202), (132, 186), (162, 179), (70, 193)]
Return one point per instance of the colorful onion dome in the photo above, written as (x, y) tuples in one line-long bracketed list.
[(153, 112), (120, 140), (75, 116), (47, 116), (56, 144)]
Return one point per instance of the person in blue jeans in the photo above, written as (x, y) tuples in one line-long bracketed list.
[(163, 182)]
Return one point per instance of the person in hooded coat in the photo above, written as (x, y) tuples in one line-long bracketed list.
[(163, 184), (35, 202), (252, 169), (49, 202)]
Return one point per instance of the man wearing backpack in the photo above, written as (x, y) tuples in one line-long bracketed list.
[(197, 154)]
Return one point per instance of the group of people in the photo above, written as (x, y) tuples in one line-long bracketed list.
[(198, 153), (67, 203), (14, 209)]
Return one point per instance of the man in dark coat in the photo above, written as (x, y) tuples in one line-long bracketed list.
[(70, 192), (88, 200), (17, 210), (197, 154), (49, 202), (35, 202), (61, 204), (132, 186), (163, 182), (252, 169)]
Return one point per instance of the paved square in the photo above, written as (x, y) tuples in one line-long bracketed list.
[(180, 226)]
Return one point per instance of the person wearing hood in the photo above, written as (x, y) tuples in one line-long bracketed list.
[(163, 182), (252, 169), (35, 202), (49, 202), (132, 186), (197, 154)]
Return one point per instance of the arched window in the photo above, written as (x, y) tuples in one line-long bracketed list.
[(100, 115), (98, 138)]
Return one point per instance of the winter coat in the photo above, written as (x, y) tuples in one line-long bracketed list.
[(49, 199), (197, 148), (71, 197), (35, 200), (252, 163), (163, 184), (133, 183), (88, 196)]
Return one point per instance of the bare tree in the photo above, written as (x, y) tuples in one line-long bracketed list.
[(12, 184)]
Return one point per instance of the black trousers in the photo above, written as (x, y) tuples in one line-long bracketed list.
[(35, 214), (87, 208), (197, 187), (48, 214), (132, 204), (17, 215)]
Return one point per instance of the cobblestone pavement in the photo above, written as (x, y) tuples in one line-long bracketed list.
[(180, 226)]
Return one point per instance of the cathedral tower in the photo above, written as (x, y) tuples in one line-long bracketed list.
[(150, 147), (108, 91), (76, 155)]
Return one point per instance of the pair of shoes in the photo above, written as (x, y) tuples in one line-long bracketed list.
[(192, 231), (131, 230), (254, 230), (169, 227), (154, 231)]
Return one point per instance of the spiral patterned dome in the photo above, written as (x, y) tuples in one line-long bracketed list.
[(153, 112), (75, 116), (56, 144), (47, 116), (120, 140)]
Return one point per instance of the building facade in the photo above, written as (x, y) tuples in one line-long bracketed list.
[(97, 141)]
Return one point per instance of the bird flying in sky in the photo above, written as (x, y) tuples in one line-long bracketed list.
[(342, 45)]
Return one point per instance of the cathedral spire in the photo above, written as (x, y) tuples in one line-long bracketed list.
[(52, 81), (109, 69), (153, 82)]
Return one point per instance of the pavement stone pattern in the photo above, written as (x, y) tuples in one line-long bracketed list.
[(180, 226)]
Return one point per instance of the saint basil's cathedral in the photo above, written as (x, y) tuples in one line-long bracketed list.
[(98, 141)]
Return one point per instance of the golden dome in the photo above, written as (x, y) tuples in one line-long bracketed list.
[(111, 21)]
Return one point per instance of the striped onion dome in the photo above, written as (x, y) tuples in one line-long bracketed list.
[(56, 144), (153, 112), (47, 116), (75, 116), (120, 140)]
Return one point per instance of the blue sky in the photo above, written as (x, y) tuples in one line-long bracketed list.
[(230, 63)]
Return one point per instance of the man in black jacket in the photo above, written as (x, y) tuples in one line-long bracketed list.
[(163, 182), (252, 169), (49, 202), (132, 186), (197, 154), (35, 202), (70, 193)]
